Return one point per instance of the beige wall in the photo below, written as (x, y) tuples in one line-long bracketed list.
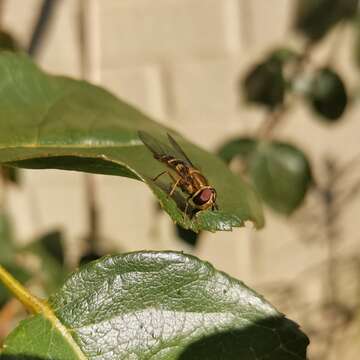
[(179, 60)]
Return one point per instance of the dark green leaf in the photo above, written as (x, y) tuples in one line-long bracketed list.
[(10, 174), (88, 257), (56, 122), (159, 305), (52, 244), (49, 250), (264, 84), (314, 18), (282, 175), (284, 55), (7, 244), (242, 147), (280, 172), (188, 236), (328, 95)]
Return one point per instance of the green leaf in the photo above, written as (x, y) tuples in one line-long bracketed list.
[(314, 18), (264, 84), (56, 122), (243, 147), (7, 42), (281, 174), (40, 341), (328, 96), (158, 305), (284, 55)]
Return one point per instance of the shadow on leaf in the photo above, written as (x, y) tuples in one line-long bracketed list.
[(273, 338)]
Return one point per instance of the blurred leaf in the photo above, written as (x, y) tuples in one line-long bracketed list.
[(60, 123), (280, 172), (52, 243), (7, 245), (284, 55), (328, 95), (314, 18), (7, 42), (88, 257), (188, 236), (10, 174), (282, 175), (157, 305), (49, 250), (357, 41), (7, 256), (264, 84), (243, 147)]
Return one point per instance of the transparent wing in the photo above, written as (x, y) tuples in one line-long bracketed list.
[(159, 149), (180, 152)]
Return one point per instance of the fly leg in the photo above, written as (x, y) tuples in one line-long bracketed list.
[(162, 173), (176, 183), (186, 206)]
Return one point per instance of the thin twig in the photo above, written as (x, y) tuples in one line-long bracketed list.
[(88, 30), (7, 315)]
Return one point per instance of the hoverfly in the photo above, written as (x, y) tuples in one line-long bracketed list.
[(182, 172)]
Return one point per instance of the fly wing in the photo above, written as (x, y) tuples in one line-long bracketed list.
[(179, 151), (158, 148)]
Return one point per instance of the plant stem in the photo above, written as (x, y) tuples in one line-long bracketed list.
[(36, 306), (7, 314), (93, 213), (30, 302), (88, 30), (3, 190)]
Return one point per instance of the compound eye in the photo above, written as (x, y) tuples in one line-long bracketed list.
[(203, 197)]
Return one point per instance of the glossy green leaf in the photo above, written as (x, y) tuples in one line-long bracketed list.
[(159, 306), (264, 84), (314, 18), (328, 96), (281, 174), (56, 122)]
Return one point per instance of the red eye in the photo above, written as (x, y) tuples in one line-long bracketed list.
[(203, 197)]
